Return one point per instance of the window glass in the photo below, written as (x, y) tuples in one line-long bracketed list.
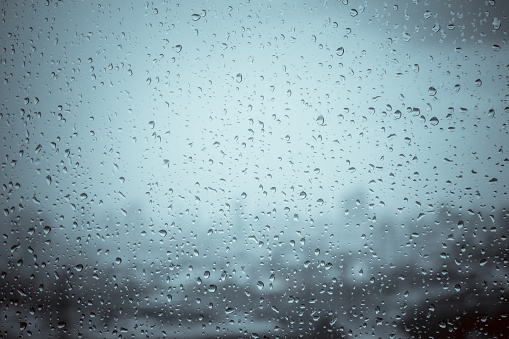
[(314, 169)]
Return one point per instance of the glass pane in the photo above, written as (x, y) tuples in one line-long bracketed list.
[(319, 169)]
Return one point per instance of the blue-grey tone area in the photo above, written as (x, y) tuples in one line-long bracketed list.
[(254, 169)]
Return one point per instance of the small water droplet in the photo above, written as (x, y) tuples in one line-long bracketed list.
[(340, 51), (260, 285), (497, 23), (196, 17), (353, 12), (432, 91), (238, 78), (434, 121)]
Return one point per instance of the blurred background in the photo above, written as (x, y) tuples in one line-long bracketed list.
[(194, 169)]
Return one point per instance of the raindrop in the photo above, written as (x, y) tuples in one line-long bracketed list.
[(238, 78), (303, 195), (320, 120), (478, 83), (196, 17), (432, 91), (353, 12), (118, 261), (496, 23), (340, 51), (434, 121), (260, 285)]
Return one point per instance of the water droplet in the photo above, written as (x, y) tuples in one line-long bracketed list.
[(118, 261), (353, 12), (260, 285), (434, 121), (243, 195), (78, 267), (340, 51), (478, 83), (320, 120), (238, 78), (457, 288), (303, 195), (432, 91), (496, 23), (163, 233), (196, 17), (177, 48)]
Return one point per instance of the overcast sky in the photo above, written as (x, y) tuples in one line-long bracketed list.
[(198, 104)]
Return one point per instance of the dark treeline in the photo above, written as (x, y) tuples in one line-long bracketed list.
[(440, 275)]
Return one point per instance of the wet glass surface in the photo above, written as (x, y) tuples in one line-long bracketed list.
[(251, 169)]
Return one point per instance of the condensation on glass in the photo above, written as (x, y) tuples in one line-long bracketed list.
[(199, 169)]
